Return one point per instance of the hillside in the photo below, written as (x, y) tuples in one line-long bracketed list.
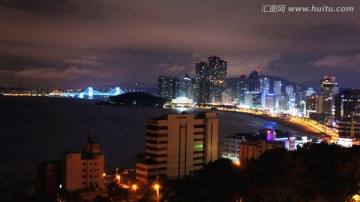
[(136, 99)]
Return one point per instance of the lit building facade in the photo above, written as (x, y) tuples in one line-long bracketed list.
[(277, 87), (177, 145), (347, 107), (252, 146), (311, 102), (328, 85), (289, 91), (83, 170), (324, 104), (186, 87), (210, 80), (218, 72), (270, 101), (252, 100), (169, 87), (328, 90), (265, 85), (283, 103), (227, 97), (231, 145)]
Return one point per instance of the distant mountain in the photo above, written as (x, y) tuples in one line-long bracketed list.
[(136, 99)]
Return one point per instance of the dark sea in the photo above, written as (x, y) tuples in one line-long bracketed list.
[(37, 129)]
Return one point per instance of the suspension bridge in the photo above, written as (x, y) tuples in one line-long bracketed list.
[(89, 93)]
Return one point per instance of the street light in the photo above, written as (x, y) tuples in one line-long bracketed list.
[(134, 187), (118, 177), (157, 187)]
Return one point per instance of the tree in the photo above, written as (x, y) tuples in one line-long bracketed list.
[(316, 172)]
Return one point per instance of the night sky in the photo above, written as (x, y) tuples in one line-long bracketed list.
[(81, 43)]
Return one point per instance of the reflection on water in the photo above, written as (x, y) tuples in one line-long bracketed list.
[(36, 129)]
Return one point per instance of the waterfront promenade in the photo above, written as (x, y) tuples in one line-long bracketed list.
[(295, 123)]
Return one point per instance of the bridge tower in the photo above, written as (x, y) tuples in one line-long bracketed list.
[(91, 93), (117, 91)]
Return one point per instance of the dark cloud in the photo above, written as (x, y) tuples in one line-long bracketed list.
[(338, 61), (139, 40), (40, 7)]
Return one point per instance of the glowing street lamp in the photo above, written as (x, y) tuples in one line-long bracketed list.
[(118, 177), (134, 187), (237, 163), (157, 187)]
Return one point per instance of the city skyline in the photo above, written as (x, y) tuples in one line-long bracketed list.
[(74, 44)]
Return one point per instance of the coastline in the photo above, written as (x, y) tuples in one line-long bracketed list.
[(298, 126)]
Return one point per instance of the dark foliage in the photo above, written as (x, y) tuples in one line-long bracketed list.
[(316, 172)]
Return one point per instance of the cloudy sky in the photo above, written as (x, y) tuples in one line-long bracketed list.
[(78, 43)]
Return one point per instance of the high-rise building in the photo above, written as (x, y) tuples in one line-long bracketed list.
[(347, 105), (289, 90), (177, 145), (226, 96), (210, 80), (277, 87), (242, 87), (270, 101), (83, 170), (347, 109), (254, 81), (283, 103), (324, 104), (253, 99), (311, 102), (168, 87), (328, 90), (327, 85), (218, 71), (265, 85), (186, 87), (202, 83)]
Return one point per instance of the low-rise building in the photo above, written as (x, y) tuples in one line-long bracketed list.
[(253, 146), (83, 170)]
